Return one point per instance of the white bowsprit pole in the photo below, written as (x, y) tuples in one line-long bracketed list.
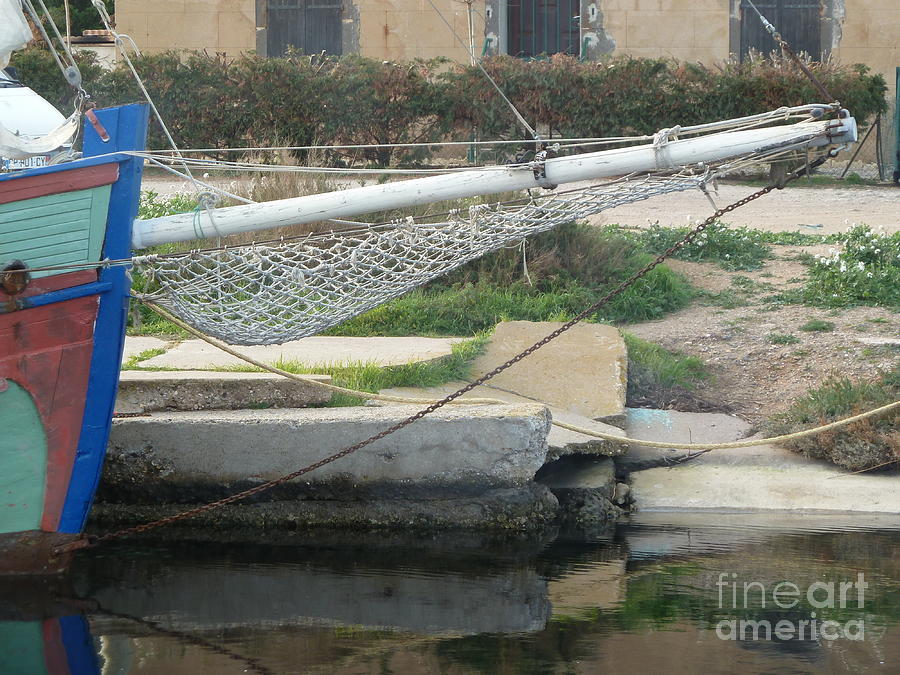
[(556, 171)]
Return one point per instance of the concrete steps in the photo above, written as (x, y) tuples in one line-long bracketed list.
[(143, 391)]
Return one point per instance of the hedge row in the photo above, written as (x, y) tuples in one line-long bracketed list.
[(209, 101)]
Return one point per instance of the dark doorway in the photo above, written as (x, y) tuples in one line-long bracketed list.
[(798, 21), (310, 26), (536, 27)]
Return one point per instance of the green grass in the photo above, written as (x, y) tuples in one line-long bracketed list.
[(657, 376), (153, 205), (782, 339), (732, 248), (865, 270), (569, 269), (862, 445), (134, 361), (373, 378), (817, 326)]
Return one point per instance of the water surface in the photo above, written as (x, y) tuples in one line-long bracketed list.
[(663, 593)]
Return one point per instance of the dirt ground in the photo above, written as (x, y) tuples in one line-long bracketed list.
[(797, 208), (732, 331), (751, 376)]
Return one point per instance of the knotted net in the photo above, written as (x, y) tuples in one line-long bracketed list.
[(269, 293)]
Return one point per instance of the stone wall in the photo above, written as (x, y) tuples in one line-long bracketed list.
[(856, 31), (215, 25)]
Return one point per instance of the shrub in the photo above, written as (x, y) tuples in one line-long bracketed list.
[(627, 95), (866, 444), (865, 270), (213, 102)]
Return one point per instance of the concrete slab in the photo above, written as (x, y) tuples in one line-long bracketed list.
[(561, 442), (313, 351), (182, 457), (676, 427), (150, 391), (527, 508), (765, 478), (135, 345), (583, 371)]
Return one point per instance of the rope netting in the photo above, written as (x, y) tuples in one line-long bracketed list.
[(269, 293)]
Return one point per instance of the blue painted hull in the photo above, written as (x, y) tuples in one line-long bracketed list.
[(83, 319)]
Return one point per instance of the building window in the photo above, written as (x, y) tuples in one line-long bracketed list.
[(798, 21), (309, 26), (536, 27)]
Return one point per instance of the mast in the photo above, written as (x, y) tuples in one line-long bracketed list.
[(551, 172)]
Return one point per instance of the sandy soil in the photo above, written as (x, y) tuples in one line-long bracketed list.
[(812, 210), (751, 376)]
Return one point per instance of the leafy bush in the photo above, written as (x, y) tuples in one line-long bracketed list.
[(865, 270), (866, 444), (733, 248), (213, 102), (38, 70), (82, 14), (627, 95)]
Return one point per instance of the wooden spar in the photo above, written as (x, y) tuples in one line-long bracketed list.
[(560, 170)]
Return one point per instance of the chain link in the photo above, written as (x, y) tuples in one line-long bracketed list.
[(90, 542)]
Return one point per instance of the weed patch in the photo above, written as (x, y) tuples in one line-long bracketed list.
[(569, 269), (869, 443), (864, 271), (659, 378), (134, 361), (373, 378), (782, 339), (732, 248), (817, 326)]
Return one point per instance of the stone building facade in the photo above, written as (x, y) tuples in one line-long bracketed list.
[(852, 31), (866, 31)]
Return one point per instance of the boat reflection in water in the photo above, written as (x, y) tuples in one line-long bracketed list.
[(44, 630), (642, 599)]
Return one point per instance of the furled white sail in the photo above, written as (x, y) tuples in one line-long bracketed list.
[(13, 146), (14, 30)]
